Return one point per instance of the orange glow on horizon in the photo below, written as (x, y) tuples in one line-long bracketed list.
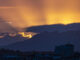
[(12, 34), (2, 36)]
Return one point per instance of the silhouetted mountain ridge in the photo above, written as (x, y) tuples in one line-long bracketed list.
[(56, 27)]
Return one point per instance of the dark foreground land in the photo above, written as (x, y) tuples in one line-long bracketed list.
[(63, 52)]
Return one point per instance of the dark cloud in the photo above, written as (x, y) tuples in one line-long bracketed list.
[(5, 26), (7, 3)]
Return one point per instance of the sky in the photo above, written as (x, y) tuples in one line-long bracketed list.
[(19, 14)]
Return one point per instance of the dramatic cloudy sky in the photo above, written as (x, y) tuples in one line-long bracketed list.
[(18, 14)]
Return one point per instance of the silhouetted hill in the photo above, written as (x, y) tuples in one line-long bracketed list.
[(6, 40), (56, 27), (47, 41)]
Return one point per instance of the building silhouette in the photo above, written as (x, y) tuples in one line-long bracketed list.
[(65, 50)]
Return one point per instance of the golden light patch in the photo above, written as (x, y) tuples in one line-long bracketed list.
[(23, 34)]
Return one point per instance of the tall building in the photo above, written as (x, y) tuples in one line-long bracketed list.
[(65, 50)]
